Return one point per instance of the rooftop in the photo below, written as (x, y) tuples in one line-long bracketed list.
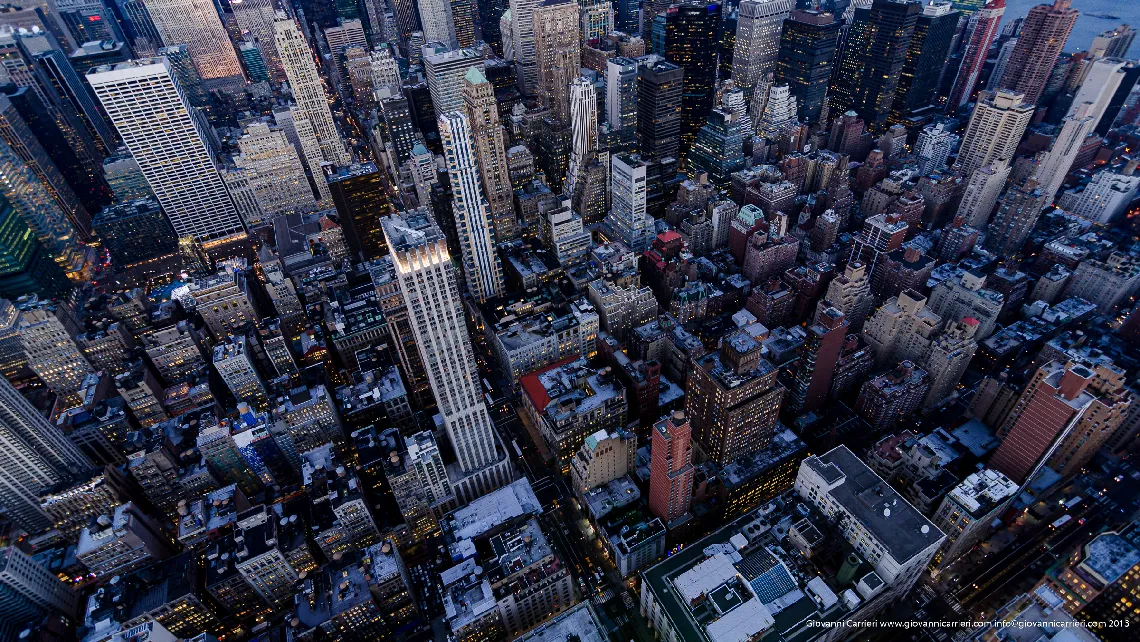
[(491, 510), (982, 491), (578, 623)]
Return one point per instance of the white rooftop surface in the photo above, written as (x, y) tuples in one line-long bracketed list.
[(985, 484), (488, 511), (578, 621), (825, 596), (741, 623), (704, 577)]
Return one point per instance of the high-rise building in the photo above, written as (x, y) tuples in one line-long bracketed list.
[(621, 99), (982, 192), (274, 169), (874, 52), (151, 114), (967, 512), (438, 22), (182, 66), (446, 72), (34, 456), (196, 24), (583, 129), (718, 149), (929, 49), (26, 266), (255, 19), (490, 152), (135, 232), (628, 220), (891, 396), (1104, 198), (360, 193), (996, 126), (427, 280), (1100, 83), (948, 358), (812, 374), (472, 213), (805, 59), (25, 582), (1017, 214), (234, 364), (523, 44), (671, 469), (1113, 43), (983, 28), (967, 296), (758, 39), (67, 92), (52, 352), (1055, 164), (689, 39), (558, 54), (1043, 35), (733, 400), (659, 88), (308, 91), (933, 147)]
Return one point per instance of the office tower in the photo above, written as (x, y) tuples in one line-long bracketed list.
[(1052, 406), (52, 352), (385, 69), (34, 456), (983, 27), (933, 147), (982, 192), (143, 100), (558, 54), (340, 38), (182, 66), (438, 24), (996, 126), (490, 15), (718, 149), (1101, 81), (1113, 43), (446, 73), (627, 219), (773, 109), (813, 372), (690, 41), (82, 123), (621, 99), (901, 329), (135, 232), (948, 358), (583, 128), (733, 400), (274, 169), (1017, 213), (137, 26), (308, 92), (490, 152), (1055, 164), (659, 88), (597, 19), (25, 581), (253, 62), (671, 469), (360, 194), (929, 49), (1043, 35), (427, 281), (32, 201), (758, 40), (804, 62), (255, 19), (195, 23), (125, 178), (26, 266), (472, 213), (874, 52), (732, 100)]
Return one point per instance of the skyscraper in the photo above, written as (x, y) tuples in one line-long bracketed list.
[(621, 99), (274, 169), (659, 87), (522, 38), (472, 214), (490, 152), (929, 49), (360, 193), (26, 580), (982, 192), (557, 53), (195, 23), (671, 469), (996, 125), (627, 220), (718, 149), (255, 19), (983, 27), (690, 40), (308, 91), (804, 62), (874, 53), (811, 375), (948, 358), (438, 22), (758, 40), (25, 265), (1055, 164), (583, 128), (446, 72), (1017, 213), (427, 281), (1113, 43), (150, 111), (1042, 37)]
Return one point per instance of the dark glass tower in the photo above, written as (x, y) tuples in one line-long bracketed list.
[(872, 61), (929, 49), (360, 194), (690, 41), (807, 52), (25, 266), (659, 89), (627, 16), (490, 11), (718, 149), (135, 232)]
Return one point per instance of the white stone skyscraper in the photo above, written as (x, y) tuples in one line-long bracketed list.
[(996, 126), (438, 22), (196, 24), (522, 31), (472, 213), (274, 169), (427, 281), (1056, 162), (982, 192), (583, 127), (933, 147), (758, 29), (308, 92), (155, 121)]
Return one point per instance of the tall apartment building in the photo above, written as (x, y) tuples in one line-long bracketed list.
[(196, 24), (628, 221), (892, 395), (473, 220), (671, 469), (558, 54), (983, 28), (490, 152), (982, 192), (850, 293), (948, 358), (733, 400), (151, 113), (1043, 35), (996, 125), (759, 25), (967, 296), (1104, 199), (419, 251), (308, 92), (812, 375)]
